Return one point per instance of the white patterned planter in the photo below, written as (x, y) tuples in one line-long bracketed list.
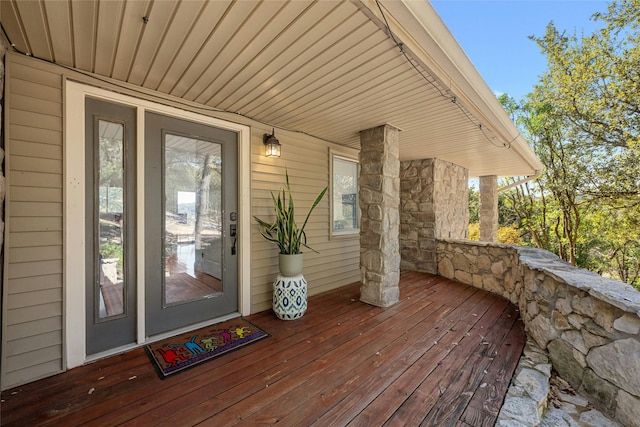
[(289, 297)]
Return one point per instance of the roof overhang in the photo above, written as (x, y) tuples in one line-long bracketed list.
[(428, 42), (329, 69)]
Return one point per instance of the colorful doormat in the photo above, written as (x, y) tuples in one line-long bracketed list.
[(181, 352)]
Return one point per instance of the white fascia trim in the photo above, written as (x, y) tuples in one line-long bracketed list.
[(430, 43)]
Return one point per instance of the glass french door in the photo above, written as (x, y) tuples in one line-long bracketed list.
[(110, 209), (190, 223), (190, 216)]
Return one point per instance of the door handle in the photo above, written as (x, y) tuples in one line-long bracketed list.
[(233, 232)]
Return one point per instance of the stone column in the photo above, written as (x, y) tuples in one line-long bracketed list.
[(379, 184), (434, 204), (451, 200), (417, 216), (489, 208)]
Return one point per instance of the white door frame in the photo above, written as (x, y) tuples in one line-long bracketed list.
[(74, 213)]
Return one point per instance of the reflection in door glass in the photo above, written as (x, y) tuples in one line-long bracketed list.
[(193, 219), (111, 209)]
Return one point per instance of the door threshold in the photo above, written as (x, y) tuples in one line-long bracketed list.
[(190, 328), (149, 340)]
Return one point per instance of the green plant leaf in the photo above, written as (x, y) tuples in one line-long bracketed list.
[(284, 231)]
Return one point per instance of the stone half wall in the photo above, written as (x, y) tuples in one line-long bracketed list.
[(434, 203), (588, 325)]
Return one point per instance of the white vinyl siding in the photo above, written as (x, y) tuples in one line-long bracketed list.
[(307, 161), (33, 306)]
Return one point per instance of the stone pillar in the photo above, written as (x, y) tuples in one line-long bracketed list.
[(451, 200), (379, 195), (434, 200), (417, 216), (489, 208)]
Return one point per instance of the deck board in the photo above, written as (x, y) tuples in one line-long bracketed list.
[(444, 355)]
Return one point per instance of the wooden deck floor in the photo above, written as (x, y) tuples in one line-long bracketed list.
[(443, 356)]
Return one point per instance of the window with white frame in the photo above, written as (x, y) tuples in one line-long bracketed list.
[(345, 212)]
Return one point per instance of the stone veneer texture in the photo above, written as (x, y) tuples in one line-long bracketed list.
[(379, 194), (489, 208), (422, 219)]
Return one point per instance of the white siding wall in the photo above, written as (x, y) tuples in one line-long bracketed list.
[(33, 323), (307, 161), (33, 305)]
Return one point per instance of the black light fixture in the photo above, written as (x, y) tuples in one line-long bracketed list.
[(271, 144)]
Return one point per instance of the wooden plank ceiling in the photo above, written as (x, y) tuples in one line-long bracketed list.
[(323, 68)]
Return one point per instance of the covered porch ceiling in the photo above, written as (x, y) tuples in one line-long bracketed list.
[(324, 68)]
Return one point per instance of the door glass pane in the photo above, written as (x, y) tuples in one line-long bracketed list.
[(111, 219), (192, 219)]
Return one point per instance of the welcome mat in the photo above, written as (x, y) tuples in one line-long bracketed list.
[(181, 352)]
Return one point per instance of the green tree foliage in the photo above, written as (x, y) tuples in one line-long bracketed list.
[(612, 243), (583, 122), (594, 82), (509, 234), (559, 211), (550, 208), (474, 205), (474, 231)]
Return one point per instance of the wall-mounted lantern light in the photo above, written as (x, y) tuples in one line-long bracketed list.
[(271, 144)]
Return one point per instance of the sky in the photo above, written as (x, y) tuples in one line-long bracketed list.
[(494, 34)]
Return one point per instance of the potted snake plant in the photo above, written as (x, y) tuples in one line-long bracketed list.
[(284, 231)]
